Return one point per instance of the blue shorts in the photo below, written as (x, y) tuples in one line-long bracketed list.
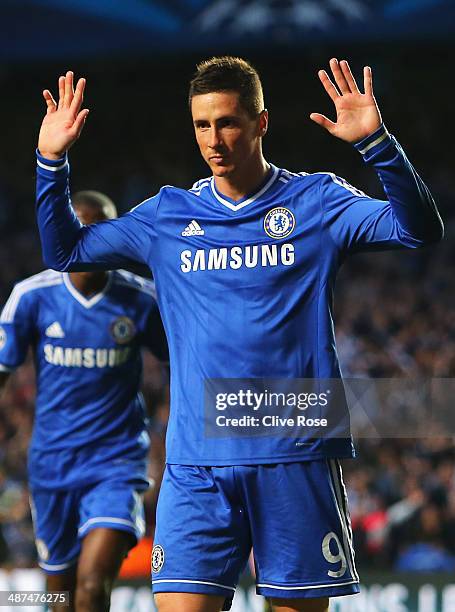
[(62, 518), (294, 515)]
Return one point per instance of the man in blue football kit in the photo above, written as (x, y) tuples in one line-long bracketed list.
[(245, 265), (88, 454)]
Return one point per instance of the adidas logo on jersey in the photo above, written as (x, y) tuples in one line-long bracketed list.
[(55, 331), (193, 229)]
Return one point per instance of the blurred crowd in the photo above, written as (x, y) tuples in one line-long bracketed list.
[(394, 311), (395, 319)]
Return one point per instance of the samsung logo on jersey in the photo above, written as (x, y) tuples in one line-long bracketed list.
[(85, 357), (236, 257)]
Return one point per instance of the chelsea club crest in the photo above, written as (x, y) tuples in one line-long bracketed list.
[(123, 330), (279, 223), (157, 558)]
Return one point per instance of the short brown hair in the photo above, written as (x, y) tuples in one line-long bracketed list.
[(228, 73)]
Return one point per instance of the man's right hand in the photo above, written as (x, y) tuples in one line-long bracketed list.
[(64, 121)]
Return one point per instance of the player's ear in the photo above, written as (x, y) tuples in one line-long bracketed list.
[(263, 122)]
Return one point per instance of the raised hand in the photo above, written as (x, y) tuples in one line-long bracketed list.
[(358, 115), (64, 121)]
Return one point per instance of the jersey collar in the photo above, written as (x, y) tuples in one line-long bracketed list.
[(86, 303), (239, 204)]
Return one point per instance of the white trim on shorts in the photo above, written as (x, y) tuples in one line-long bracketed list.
[(336, 484), (301, 588), (221, 586), (60, 566), (107, 519)]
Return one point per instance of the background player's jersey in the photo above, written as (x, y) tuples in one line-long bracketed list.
[(245, 287), (89, 419)]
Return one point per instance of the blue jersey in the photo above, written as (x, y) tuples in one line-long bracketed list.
[(245, 287), (89, 419)]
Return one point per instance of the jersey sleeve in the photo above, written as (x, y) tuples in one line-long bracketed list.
[(407, 219), (69, 246), (16, 329)]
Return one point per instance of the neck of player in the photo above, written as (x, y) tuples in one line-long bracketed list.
[(242, 181), (89, 283)]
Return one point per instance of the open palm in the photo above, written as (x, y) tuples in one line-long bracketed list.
[(64, 121), (358, 115)]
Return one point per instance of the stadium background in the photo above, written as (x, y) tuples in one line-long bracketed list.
[(394, 311)]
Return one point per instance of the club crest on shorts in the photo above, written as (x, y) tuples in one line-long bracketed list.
[(279, 223), (157, 558), (123, 330), (2, 337), (42, 549)]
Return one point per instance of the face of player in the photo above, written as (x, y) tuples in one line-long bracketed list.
[(228, 138), (89, 214)]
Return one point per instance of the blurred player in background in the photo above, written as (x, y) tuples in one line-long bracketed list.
[(245, 264), (87, 458)]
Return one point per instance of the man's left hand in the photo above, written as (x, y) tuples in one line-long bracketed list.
[(358, 115)]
